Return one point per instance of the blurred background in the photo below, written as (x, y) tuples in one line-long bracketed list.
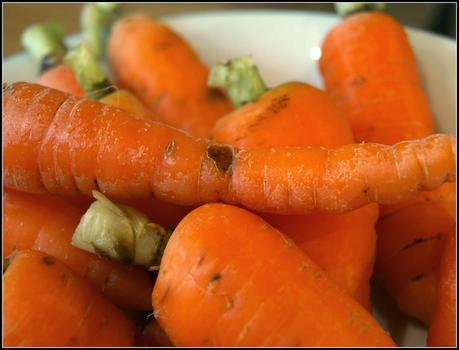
[(435, 17)]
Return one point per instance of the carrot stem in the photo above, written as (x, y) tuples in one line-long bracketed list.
[(45, 42), (88, 72), (240, 78), (96, 21), (120, 233), (345, 9)]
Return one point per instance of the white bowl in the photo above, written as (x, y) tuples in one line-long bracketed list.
[(285, 45)]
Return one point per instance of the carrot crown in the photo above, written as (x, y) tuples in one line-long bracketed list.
[(344, 9), (120, 233), (96, 21), (45, 42), (88, 72), (239, 78)]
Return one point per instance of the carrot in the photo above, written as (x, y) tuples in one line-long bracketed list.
[(46, 223), (297, 114), (410, 242), (46, 304), (281, 298), (443, 329), (61, 77), (151, 60), (370, 71), (125, 157)]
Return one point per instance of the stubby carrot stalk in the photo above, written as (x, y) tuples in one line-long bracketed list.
[(96, 21), (240, 78), (88, 72), (120, 233), (45, 42)]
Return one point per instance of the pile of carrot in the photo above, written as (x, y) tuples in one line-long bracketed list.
[(280, 207)]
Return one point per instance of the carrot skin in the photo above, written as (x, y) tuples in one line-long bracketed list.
[(105, 149), (61, 78), (46, 304), (159, 67), (443, 329), (370, 71), (46, 223), (281, 298), (298, 115)]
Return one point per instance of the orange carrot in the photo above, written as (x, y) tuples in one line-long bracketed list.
[(410, 242), (46, 304), (46, 223), (157, 65), (297, 114), (369, 70), (279, 298), (61, 77), (443, 329), (52, 142)]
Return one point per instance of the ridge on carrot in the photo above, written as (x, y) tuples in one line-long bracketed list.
[(179, 169)]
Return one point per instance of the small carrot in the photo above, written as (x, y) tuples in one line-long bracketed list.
[(297, 115), (281, 298), (46, 223), (151, 60), (370, 71), (443, 329), (125, 157), (46, 304)]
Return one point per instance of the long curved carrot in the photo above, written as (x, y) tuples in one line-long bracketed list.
[(370, 71), (152, 61), (279, 298), (57, 143), (443, 330), (46, 304), (297, 114), (46, 223)]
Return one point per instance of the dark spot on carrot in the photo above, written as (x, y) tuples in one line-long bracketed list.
[(73, 341), (215, 94), (165, 295), (201, 259), (47, 260), (215, 277), (417, 277), (358, 81), (366, 190), (279, 103), (169, 149), (417, 241), (222, 155), (164, 45), (304, 266)]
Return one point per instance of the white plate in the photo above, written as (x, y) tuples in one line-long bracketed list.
[(283, 44)]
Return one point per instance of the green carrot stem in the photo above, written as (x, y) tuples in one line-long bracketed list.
[(88, 72), (45, 42), (120, 233), (240, 78), (96, 21)]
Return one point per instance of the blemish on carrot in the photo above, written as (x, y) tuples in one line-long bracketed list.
[(279, 103), (169, 149), (222, 155), (215, 277), (201, 259), (417, 241), (358, 81), (48, 260), (417, 277), (304, 266)]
